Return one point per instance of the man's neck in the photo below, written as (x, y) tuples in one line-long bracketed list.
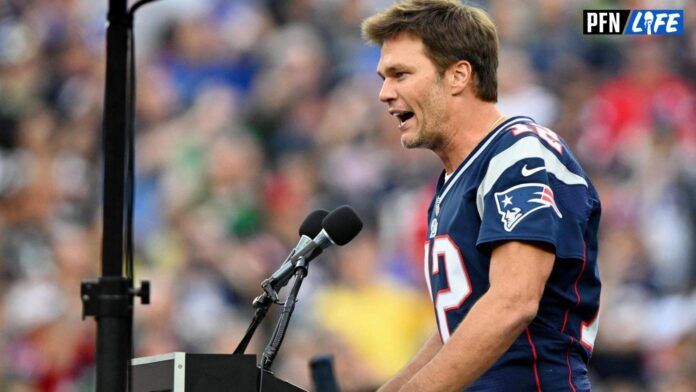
[(469, 127)]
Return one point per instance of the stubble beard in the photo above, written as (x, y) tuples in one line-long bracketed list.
[(429, 133), (424, 138)]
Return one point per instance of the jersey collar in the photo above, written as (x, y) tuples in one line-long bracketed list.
[(483, 144)]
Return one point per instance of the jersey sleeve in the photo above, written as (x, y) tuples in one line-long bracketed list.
[(516, 199)]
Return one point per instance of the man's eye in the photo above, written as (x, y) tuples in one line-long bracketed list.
[(399, 75)]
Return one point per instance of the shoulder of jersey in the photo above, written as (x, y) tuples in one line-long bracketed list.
[(526, 128), (523, 140)]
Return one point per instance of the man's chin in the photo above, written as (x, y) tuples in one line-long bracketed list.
[(412, 143), (410, 140)]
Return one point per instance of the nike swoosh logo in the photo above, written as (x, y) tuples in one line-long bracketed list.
[(528, 172)]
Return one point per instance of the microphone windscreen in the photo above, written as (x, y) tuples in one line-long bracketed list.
[(312, 223), (342, 225)]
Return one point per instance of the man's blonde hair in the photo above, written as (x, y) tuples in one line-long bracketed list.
[(450, 32)]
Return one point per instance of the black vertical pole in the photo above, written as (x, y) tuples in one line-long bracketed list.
[(115, 323)]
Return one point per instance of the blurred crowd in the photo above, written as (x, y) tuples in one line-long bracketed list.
[(252, 113)]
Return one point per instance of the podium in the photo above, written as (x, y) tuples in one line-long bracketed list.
[(182, 372)]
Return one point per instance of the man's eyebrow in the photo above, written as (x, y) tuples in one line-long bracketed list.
[(390, 70)]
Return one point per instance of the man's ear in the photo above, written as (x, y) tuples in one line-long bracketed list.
[(460, 76)]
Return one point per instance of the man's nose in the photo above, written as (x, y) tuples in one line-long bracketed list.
[(387, 93)]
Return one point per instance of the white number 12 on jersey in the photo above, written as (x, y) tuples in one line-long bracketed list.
[(458, 283)]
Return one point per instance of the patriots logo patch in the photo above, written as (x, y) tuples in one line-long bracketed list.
[(518, 202)]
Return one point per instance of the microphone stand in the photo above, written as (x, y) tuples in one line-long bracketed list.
[(273, 346), (261, 304)]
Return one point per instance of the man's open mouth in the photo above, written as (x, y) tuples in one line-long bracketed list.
[(403, 116)]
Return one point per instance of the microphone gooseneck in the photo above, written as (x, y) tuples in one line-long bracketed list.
[(309, 228)]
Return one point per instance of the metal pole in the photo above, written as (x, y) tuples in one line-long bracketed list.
[(114, 324)]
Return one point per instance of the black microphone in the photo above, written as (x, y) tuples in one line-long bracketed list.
[(339, 228), (310, 227)]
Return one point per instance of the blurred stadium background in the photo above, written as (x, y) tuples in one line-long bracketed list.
[(252, 113)]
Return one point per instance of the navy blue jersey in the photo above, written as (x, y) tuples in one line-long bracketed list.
[(520, 183)]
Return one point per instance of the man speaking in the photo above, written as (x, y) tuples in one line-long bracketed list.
[(511, 249)]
